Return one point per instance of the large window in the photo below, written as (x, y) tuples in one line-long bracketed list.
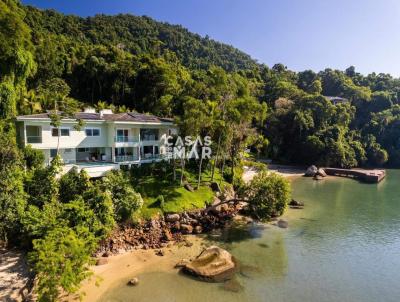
[(92, 131), (83, 150), (53, 153), (149, 134), (63, 131), (54, 132), (33, 134)]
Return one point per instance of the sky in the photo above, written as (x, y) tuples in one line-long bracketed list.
[(301, 34)]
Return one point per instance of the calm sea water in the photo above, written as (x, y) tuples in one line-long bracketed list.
[(344, 246)]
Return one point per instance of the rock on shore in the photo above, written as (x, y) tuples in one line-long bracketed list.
[(213, 264), (311, 171)]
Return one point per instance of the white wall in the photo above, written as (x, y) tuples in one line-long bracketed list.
[(76, 139)]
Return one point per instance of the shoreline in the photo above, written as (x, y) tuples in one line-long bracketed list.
[(132, 264), (286, 170), (282, 170)]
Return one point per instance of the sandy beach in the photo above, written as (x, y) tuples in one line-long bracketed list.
[(129, 265), (283, 170)]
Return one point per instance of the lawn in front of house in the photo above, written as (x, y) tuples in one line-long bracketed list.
[(176, 197)]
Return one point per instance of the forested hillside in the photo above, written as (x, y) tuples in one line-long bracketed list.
[(52, 62), (137, 63)]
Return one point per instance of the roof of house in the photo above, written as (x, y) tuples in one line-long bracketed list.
[(115, 117)]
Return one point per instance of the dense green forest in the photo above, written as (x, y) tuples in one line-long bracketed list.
[(51, 61), (136, 63)]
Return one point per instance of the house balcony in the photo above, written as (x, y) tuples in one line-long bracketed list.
[(126, 141), (126, 158)]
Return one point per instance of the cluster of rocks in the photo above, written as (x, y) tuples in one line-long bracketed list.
[(159, 233), (316, 173), (151, 234)]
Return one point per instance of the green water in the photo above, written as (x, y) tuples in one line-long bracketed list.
[(344, 246)]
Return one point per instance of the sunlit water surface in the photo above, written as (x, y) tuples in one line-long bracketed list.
[(344, 246)]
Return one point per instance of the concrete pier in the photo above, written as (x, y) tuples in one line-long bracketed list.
[(370, 176)]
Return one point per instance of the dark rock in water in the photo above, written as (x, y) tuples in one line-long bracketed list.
[(296, 204), (311, 171), (233, 285), (318, 177), (182, 263), (215, 187), (213, 264), (321, 172), (101, 261), (133, 282), (283, 223), (172, 217), (189, 187), (263, 245)]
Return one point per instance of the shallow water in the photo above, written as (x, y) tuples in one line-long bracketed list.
[(343, 246)]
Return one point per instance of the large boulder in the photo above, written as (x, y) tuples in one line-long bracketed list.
[(321, 172), (213, 265), (311, 171)]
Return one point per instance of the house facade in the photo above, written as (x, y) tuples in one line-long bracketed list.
[(106, 141)]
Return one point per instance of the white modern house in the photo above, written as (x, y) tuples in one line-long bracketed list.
[(335, 100), (105, 142)]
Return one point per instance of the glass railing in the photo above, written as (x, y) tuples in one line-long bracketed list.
[(149, 138), (126, 139), (153, 156), (124, 158), (34, 139)]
